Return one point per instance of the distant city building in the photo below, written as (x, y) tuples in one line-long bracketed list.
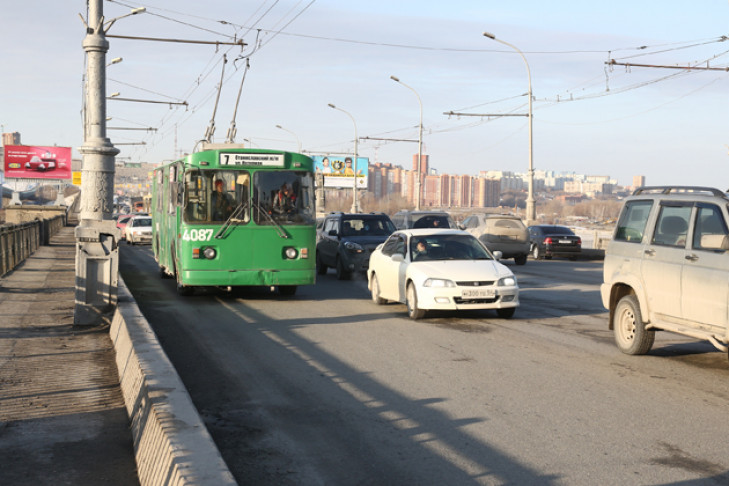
[(638, 181), (11, 138)]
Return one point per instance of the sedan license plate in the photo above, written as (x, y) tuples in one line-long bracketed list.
[(565, 242), (478, 293)]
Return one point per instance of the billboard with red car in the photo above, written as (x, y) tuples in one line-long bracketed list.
[(32, 162)]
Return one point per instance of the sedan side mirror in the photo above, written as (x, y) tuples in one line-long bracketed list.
[(398, 257), (497, 255)]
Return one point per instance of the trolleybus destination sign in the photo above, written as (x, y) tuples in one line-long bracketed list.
[(271, 160)]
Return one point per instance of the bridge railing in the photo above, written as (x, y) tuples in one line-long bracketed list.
[(19, 241)]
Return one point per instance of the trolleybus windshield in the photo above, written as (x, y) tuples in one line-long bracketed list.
[(278, 197)]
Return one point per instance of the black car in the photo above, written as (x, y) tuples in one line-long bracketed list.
[(346, 241), (548, 240)]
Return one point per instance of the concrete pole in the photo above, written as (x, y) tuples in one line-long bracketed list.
[(355, 203), (97, 235), (418, 189), (531, 212)]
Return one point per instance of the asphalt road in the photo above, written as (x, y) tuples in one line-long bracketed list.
[(328, 388)]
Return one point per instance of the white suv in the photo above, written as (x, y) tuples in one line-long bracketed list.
[(667, 267)]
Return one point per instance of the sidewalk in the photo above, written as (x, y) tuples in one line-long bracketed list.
[(62, 415)]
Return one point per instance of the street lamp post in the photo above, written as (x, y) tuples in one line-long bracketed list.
[(298, 141), (420, 144), (530, 206), (355, 205), (97, 254)]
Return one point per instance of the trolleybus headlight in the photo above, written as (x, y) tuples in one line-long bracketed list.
[(290, 253), (209, 253)]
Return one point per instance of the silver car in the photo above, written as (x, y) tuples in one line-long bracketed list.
[(500, 232)]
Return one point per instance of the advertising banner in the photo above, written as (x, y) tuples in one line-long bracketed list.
[(339, 171), (31, 162)]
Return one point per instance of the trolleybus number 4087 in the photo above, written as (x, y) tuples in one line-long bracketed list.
[(197, 234)]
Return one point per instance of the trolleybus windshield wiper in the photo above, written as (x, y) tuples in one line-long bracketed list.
[(233, 217), (279, 229)]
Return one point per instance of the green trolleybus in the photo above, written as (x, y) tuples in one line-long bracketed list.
[(229, 216)]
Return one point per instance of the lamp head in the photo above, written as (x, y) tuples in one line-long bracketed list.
[(394, 78), (332, 106), (489, 35)]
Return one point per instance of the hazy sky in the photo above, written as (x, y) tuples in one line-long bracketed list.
[(669, 125)]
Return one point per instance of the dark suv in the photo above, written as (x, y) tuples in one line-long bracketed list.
[(423, 219), (345, 241)]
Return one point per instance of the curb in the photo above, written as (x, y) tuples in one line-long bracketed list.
[(171, 444)]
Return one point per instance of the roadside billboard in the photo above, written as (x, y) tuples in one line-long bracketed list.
[(32, 162), (339, 171)]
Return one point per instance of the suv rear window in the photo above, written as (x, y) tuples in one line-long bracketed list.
[(631, 225), (367, 227)]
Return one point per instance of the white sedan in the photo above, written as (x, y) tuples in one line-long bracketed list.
[(138, 230), (433, 269)]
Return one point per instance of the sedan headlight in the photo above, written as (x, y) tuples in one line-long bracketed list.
[(352, 246), (438, 282), (507, 281)]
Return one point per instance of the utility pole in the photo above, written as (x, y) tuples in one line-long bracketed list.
[(97, 253)]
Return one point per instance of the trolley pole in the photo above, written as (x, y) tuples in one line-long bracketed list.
[(97, 257)]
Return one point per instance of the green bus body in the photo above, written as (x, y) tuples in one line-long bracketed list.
[(248, 236)]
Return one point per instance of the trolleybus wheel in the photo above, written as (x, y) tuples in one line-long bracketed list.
[(287, 290)]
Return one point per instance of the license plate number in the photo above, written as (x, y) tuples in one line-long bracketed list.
[(565, 241), (478, 293)]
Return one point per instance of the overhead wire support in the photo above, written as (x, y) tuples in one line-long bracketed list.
[(182, 41), (390, 139), (116, 98), (454, 113), (612, 62)]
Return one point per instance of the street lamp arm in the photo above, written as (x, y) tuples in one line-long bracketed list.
[(107, 25), (529, 74)]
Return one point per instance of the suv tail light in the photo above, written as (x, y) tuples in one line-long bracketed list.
[(547, 240)]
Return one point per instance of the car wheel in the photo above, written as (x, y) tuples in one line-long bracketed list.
[(506, 313), (631, 335), (412, 302), (536, 253), (321, 269), (375, 289), (287, 290), (520, 260), (342, 273)]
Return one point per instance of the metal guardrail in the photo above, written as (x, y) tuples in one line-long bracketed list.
[(19, 241)]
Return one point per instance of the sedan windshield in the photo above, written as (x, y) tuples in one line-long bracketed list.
[(447, 247)]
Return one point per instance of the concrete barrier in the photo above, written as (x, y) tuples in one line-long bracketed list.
[(171, 444)]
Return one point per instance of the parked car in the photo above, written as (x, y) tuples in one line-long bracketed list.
[(550, 240), (667, 267), (346, 241), (433, 269), (423, 219), (121, 223), (139, 230), (501, 232)]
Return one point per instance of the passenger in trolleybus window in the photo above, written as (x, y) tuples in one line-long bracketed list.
[(222, 203), (285, 200)]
